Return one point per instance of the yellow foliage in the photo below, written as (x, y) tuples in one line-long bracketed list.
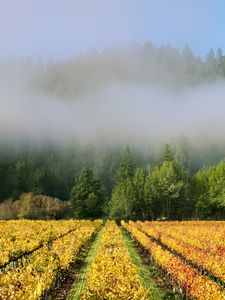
[(112, 275)]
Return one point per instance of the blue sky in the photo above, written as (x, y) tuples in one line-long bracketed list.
[(61, 28)]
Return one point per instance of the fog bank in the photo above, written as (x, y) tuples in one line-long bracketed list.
[(113, 114)]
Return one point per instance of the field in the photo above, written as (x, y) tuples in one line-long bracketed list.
[(81, 259)]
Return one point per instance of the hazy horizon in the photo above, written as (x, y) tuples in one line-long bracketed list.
[(121, 96), (61, 29)]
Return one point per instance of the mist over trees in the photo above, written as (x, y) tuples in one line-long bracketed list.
[(131, 94), (133, 64), (97, 177)]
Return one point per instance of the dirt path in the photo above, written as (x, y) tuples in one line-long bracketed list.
[(74, 277), (151, 276)]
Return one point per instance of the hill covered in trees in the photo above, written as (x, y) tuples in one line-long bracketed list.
[(65, 124), (132, 64)]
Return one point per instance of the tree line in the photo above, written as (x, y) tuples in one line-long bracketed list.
[(132, 64), (140, 64), (166, 191), (113, 183)]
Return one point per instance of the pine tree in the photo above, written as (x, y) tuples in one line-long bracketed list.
[(209, 192), (165, 189), (127, 165), (167, 154), (123, 201), (86, 196)]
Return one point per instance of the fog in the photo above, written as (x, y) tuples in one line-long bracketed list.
[(114, 114), (121, 96)]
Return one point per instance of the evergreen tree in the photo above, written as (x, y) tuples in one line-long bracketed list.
[(183, 150), (127, 165), (123, 200), (148, 199), (166, 189), (220, 62), (211, 62), (209, 192), (127, 194), (139, 185), (167, 154), (86, 196)]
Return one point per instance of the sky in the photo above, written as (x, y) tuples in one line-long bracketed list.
[(58, 29)]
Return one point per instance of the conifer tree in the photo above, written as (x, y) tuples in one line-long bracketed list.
[(127, 165), (86, 196)]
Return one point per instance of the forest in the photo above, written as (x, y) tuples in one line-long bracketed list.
[(115, 183), (54, 168)]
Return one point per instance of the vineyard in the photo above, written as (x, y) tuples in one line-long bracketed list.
[(82, 259)]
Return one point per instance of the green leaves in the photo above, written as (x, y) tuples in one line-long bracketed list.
[(210, 191), (127, 166), (162, 193), (164, 189), (127, 200), (86, 196)]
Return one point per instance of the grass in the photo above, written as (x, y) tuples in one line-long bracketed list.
[(81, 279), (151, 277)]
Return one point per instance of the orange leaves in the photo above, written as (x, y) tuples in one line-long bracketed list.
[(195, 285), (194, 241)]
